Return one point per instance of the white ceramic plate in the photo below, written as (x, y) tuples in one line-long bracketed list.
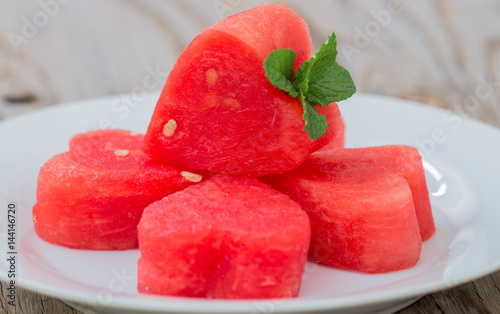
[(462, 167)]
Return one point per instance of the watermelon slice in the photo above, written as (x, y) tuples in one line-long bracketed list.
[(228, 237), (395, 158), (92, 197), (362, 213), (218, 111)]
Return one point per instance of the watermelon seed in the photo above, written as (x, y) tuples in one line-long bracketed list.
[(191, 177), (211, 77), (233, 103), (170, 127), (122, 152), (268, 281)]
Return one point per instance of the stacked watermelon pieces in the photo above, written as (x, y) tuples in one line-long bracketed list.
[(226, 195)]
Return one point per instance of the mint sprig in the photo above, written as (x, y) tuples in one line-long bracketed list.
[(318, 82)]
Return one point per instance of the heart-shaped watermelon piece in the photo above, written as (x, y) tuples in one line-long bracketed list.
[(219, 112), (227, 237), (369, 207)]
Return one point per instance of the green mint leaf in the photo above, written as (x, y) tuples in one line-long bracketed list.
[(332, 85), (325, 81), (315, 123), (301, 79), (279, 70), (314, 67)]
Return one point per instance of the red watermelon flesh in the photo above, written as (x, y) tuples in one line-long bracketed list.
[(395, 158), (218, 111), (362, 218), (228, 237), (93, 196), (102, 149), (269, 27), (335, 134)]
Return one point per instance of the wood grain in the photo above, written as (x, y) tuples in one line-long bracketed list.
[(435, 52)]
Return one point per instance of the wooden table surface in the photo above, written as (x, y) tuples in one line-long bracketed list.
[(435, 52)]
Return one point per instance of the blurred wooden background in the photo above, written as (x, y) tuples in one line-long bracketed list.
[(436, 52)]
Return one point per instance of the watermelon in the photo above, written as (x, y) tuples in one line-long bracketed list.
[(335, 134), (362, 213), (219, 112), (395, 158), (93, 196), (227, 237)]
